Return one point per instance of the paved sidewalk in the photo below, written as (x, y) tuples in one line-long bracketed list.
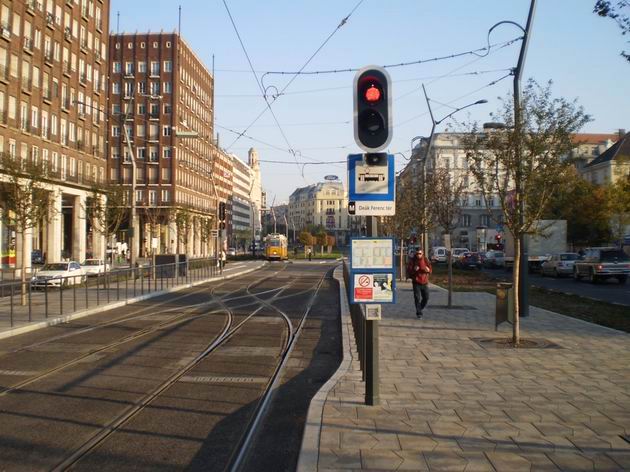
[(448, 404)]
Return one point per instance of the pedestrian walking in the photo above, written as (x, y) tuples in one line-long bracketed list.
[(418, 271), (309, 251), (223, 258)]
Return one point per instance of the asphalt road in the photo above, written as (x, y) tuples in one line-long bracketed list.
[(610, 290), (121, 390)]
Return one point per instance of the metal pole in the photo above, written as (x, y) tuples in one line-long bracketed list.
[(425, 233), (133, 236), (524, 259), (371, 342)]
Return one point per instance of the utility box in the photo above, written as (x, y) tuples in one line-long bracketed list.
[(505, 304), (165, 265)]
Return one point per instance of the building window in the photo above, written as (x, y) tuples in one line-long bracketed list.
[(168, 66), (142, 88), (128, 89), (166, 196), (129, 45), (153, 154), (168, 44), (152, 197), (116, 88), (115, 131), (167, 87), (167, 152), (155, 44), (465, 220), (155, 68), (167, 108), (166, 130), (142, 45), (116, 67), (142, 67), (484, 220), (128, 68), (155, 88)]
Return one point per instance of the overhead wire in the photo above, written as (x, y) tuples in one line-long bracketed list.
[(258, 82), (339, 26)]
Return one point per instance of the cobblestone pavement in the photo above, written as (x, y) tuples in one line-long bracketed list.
[(449, 404)]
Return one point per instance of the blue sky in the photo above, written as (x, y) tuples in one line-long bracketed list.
[(569, 45)]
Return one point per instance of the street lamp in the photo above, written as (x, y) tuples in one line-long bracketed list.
[(434, 123)]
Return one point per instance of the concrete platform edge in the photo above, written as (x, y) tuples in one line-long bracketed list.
[(309, 451), (93, 311)]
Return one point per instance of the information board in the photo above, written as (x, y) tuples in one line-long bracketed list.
[(372, 253), (373, 287)]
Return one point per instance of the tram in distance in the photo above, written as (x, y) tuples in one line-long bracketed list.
[(276, 247)]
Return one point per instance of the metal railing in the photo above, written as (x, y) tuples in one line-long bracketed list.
[(357, 317), (47, 297)]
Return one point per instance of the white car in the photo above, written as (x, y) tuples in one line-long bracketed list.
[(57, 274), (94, 266), (231, 251), (494, 259)]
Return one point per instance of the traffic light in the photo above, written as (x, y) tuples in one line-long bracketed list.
[(372, 109), (222, 211)]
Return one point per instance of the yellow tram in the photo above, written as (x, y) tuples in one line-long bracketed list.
[(276, 247)]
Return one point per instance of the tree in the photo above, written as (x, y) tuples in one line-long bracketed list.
[(444, 196), (619, 11), (408, 215), (330, 242), (619, 208), (523, 166), (320, 238), (108, 208), (585, 208), (306, 238), (183, 223), (26, 202)]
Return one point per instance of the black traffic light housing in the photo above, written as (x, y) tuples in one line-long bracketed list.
[(222, 211), (372, 109)]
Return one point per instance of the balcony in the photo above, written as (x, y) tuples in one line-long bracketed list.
[(5, 31), (99, 24), (84, 45), (4, 74), (66, 68), (84, 11), (50, 20), (65, 104), (48, 57), (27, 86), (67, 34), (47, 96), (28, 45), (97, 56), (83, 78), (154, 116)]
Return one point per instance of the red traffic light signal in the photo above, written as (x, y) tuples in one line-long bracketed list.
[(372, 109)]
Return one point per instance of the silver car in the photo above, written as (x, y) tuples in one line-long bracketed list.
[(559, 264)]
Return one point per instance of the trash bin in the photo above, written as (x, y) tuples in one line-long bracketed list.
[(505, 304)]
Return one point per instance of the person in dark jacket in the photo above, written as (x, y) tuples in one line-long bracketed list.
[(418, 271)]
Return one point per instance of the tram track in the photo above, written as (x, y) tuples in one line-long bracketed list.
[(227, 299)]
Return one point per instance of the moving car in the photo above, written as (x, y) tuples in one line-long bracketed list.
[(37, 257), (600, 263), (94, 266), (559, 264), (438, 254), (231, 251), (58, 274)]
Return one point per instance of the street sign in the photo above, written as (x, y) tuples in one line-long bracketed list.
[(371, 188), (372, 287), (214, 233), (372, 253)]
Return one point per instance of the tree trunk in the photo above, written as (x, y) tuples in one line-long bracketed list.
[(450, 278), (25, 258), (402, 265), (516, 334)]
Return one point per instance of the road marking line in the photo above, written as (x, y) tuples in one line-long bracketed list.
[(19, 373), (214, 379)]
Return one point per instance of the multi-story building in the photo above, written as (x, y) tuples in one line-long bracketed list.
[(611, 165), (240, 201), (478, 223), (53, 71), (590, 145), (323, 204), (257, 196), (161, 128)]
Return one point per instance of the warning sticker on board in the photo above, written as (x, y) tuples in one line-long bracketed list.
[(363, 294), (375, 288)]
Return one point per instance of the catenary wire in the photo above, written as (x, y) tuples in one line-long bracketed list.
[(343, 22)]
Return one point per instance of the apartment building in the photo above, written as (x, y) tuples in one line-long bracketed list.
[(53, 71), (161, 113), (242, 217), (611, 165), (323, 204)]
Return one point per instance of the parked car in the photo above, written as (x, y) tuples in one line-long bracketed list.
[(458, 252), (37, 257), (438, 254), (58, 274), (495, 259), (559, 264), (94, 266), (469, 260), (600, 263), (231, 251)]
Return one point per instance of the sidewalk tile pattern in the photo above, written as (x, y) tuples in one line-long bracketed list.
[(449, 404)]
